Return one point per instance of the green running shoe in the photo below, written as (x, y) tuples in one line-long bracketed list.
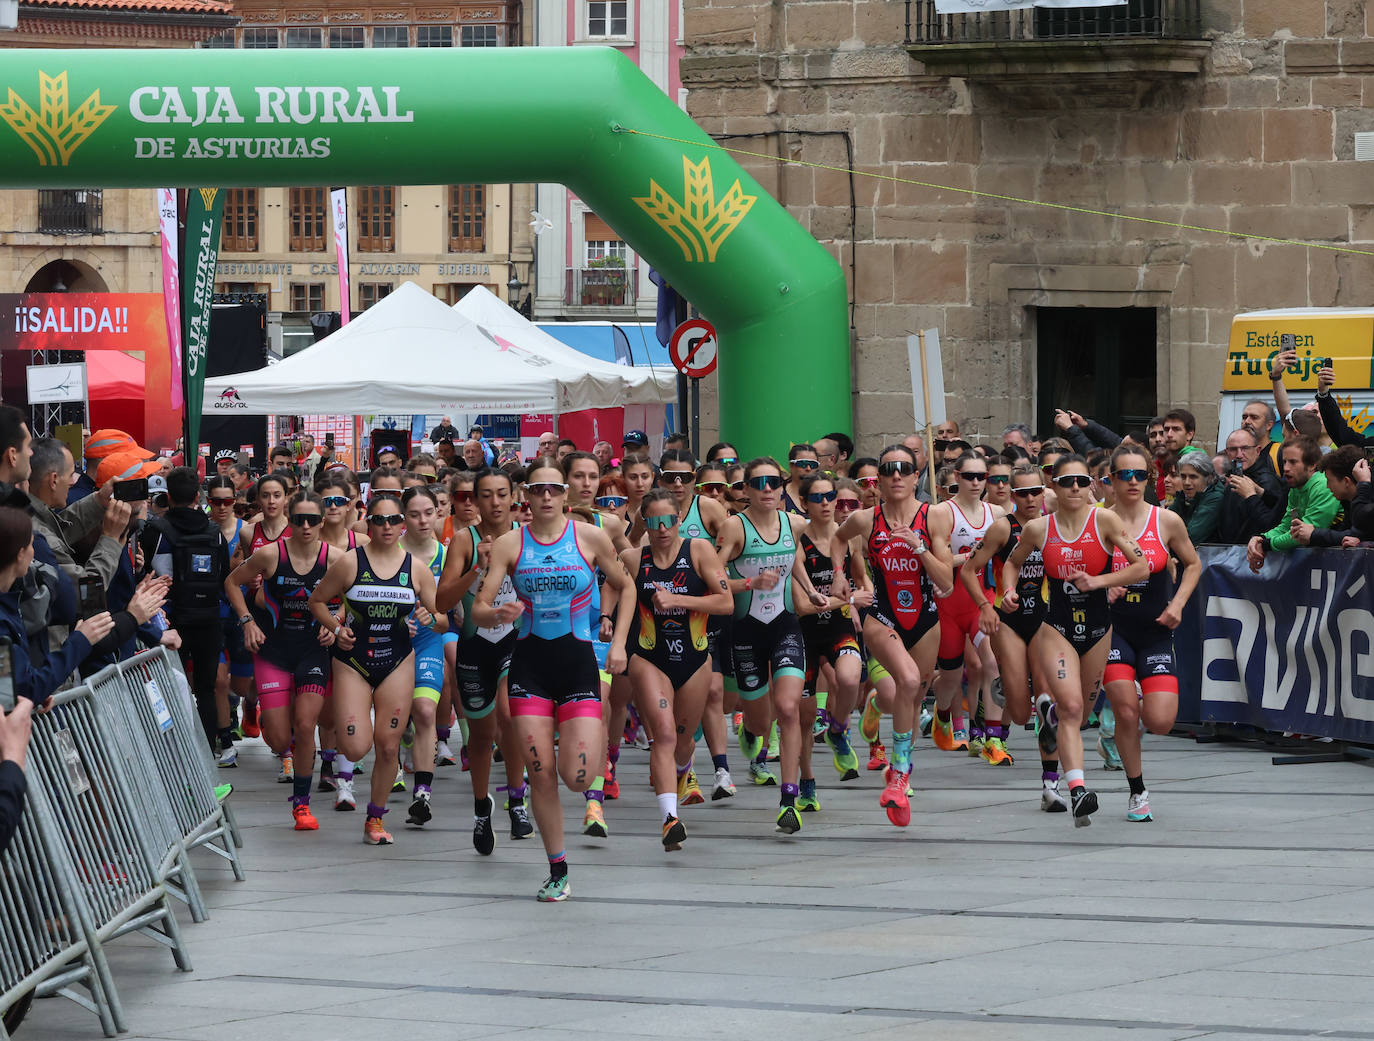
[(774, 754), (806, 798), (223, 791), (554, 890), (842, 753), (869, 721), (789, 820), (761, 775), (750, 745)]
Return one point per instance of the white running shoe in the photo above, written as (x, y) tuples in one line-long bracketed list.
[(343, 795), (407, 758), (1138, 809), (725, 787), (228, 757), (443, 755), (399, 785), (1050, 799)]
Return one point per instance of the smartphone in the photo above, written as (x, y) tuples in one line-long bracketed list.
[(131, 491), (1326, 363), (1237, 467), (1288, 342), (92, 596), (329, 439)]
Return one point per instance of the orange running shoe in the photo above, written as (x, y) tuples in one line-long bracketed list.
[(894, 799), (610, 787), (305, 820), (250, 726), (942, 733), (877, 756), (995, 752), (374, 834)]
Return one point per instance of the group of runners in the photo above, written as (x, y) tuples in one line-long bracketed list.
[(534, 609)]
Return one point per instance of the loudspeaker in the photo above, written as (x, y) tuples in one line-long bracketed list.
[(238, 343)]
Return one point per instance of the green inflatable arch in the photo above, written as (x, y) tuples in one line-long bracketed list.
[(222, 118)]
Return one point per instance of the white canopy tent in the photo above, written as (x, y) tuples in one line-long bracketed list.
[(411, 353), (644, 384)]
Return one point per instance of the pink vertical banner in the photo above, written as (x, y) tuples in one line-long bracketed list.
[(171, 286), (338, 208)]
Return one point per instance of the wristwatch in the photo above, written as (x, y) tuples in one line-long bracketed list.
[(245, 620)]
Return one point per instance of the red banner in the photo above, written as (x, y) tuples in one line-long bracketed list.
[(134, 322), (83, 322)]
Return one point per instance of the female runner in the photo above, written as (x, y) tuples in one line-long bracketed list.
[(639, 478), (829, 636), (1144, 618), (553, 675), (338, 494), (373, 673), (270, 524), (420, 509), (678, 582), (290, 664), (1011, 631), (761, 548), (236, 666), (582, 472), (701, 515), (483, 660), (461, 515), (902, 631), (1076, 544)]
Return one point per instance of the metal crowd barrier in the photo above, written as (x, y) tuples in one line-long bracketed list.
[(121, 787)]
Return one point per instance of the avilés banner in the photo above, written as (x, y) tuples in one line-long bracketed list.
[(204, 213), (1290, 649)]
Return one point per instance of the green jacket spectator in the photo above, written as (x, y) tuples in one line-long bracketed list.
[(1312, 503), (1199, 501)]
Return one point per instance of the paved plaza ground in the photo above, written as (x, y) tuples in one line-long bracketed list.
[(1245, 911)]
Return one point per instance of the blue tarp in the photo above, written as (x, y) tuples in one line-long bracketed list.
[(599, 340)]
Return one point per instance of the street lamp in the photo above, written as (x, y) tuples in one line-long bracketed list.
[(513, 288)]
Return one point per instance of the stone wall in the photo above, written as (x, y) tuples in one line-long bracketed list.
[(1259, 141)]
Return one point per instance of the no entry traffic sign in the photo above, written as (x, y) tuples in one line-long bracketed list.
[(693, 348)]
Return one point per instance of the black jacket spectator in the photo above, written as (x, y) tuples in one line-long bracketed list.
[(1356, 518), (1337, 428), (1241, 517), (1089, 437), (444, 431)]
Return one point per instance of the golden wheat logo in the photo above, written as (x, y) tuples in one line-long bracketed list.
[(207, 196), (699, 224), (1357, 421), (53, 132)]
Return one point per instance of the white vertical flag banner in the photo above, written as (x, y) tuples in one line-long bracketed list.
[(927, 379), (171, 284), (338, 208)]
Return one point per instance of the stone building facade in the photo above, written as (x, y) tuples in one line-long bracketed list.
[(1235, 115)]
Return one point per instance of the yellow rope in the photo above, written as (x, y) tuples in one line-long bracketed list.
[(1005, 198)]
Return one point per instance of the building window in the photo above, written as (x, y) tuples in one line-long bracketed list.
[(259, 39), (600, 249), (68, 211), (239, 288), (467, 218), (451, 292), (312, 38), (370, 292), (480, 36), (307, 297), (391, 36), (434, 36), (608, 18), (240, 234), (219, 40), (376, 220), (309, 218), (347, 37)]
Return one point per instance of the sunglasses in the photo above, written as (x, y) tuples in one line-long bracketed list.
[(822, 496), (868, 482), (306, 520), (429, 478), (546, 488), (660, 520), (973, 475), (611, 502), (846, 505), (999, 479), (463, 496), (675, 477), (725, 460), (222, 500), (895, 467), (766, 483), (1074, 481), (737, 486), (706, 486), (953, 489), (1029, 491), (1132, 475), (387, 520), (1046, 467), (805, 464), (335, 501)]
